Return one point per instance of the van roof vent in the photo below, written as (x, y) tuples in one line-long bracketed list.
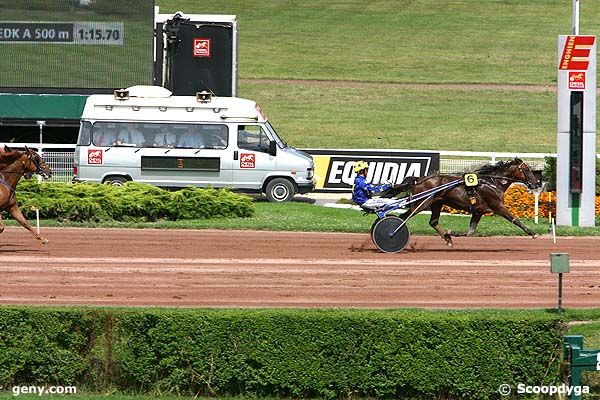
[(148, 91)]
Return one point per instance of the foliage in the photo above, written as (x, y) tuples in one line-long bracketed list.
[(41, 347), (131, 202), (297, 353), (549, 173)]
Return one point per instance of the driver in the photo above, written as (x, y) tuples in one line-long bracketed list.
[(362, 191)]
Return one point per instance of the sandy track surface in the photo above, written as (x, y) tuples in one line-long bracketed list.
[(210, 268)]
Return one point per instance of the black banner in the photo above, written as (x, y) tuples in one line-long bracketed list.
[(334, 168)]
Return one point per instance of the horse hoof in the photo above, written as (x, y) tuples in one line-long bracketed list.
[(448, 240), (44, 241)]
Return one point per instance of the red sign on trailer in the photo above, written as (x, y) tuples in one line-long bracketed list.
[(201, 47)]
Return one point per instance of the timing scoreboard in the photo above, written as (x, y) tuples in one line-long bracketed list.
[(75, 46), (96, 33)]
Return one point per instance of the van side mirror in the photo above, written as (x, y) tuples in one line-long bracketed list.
[(272, 148)]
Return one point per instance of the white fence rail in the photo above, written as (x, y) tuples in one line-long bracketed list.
[(61, 164), (460, 161), (60, 159)]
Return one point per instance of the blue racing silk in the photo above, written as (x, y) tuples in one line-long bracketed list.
[(362, 191)]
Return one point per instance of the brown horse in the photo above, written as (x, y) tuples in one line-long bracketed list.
[(486, 197), (13, 165)]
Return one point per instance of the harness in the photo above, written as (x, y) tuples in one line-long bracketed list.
[(10, 188)]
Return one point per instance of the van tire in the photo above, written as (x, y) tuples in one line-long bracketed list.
[(115, 180), (279, 190)]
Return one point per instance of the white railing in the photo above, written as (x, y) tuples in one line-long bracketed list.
[(460, 161), (60, 158)]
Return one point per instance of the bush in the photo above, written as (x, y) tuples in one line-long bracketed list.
[(298, 353), (130, 202), (549, 173)]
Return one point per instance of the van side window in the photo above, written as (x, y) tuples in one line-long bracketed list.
[(192, 137), (216, 136), (253, 137), (104, 134), (130, 135), (85, 134)]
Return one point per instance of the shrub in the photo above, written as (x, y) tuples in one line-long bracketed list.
[(130, 202), (298, 353)]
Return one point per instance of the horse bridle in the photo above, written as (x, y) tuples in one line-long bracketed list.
[(523, 180), (31, 157)]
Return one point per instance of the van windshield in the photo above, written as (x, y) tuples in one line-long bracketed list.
[(85, 134), (275, 136)]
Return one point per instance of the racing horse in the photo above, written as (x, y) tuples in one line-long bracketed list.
[(486, 197), (13, 165)]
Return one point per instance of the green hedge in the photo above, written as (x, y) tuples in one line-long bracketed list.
[(298, 353), (130, 202)]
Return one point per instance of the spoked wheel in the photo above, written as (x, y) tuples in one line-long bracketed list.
[(384, 237)]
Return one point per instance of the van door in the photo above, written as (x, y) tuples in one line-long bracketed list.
[(253, 161)]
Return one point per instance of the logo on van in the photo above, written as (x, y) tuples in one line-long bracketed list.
[(247, 160), (201, 47), (94, 156)]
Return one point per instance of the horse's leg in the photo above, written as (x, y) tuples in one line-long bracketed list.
[(436, 209), (475, 218), (503, 211), (15, 211), (1, 224)]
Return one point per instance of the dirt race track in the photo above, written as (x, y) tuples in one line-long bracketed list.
[(210, 268)]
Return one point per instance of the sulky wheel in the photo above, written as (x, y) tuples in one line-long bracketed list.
[(373, 226), (384, 237)]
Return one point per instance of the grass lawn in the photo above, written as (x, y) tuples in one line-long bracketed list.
[(301, 216), (316, 116), (399, 40)]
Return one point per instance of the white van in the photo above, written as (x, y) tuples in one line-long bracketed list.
[(145, 134)]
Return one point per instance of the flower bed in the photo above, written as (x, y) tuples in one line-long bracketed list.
[(521, 203)]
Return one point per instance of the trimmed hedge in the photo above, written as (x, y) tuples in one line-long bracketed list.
[(130, 202), (298, 353)]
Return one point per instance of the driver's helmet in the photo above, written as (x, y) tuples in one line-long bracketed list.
[(359, 166)]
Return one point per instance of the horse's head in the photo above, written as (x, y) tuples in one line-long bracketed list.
[(35, 164), (521, 171)]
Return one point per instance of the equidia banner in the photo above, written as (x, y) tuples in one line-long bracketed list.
[(334, 168)]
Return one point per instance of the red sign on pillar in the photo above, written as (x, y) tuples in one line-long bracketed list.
[(576, 53), (577, 80)]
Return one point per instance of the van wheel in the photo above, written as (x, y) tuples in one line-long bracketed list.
[(115, 180), (280, 189)]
